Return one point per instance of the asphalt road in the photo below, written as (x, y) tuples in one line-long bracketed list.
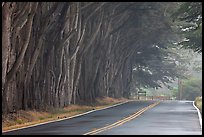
[(132, 118)]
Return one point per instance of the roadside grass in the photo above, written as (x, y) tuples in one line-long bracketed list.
[(26, 118), (198, 103)]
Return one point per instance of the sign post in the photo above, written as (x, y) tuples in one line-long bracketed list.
[(142, 93)]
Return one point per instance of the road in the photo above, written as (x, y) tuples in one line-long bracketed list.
[(131, 118)]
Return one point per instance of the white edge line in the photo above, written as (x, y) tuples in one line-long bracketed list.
[(199, 115), (67, 117)]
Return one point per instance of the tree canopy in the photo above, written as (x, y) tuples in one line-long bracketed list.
[(189, 15)]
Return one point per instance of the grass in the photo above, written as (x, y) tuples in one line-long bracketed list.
[(198, 103), (26, 118)]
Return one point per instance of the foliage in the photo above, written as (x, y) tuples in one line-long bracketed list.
[(174, 92), (157, 67), (198, 103), (157, 63), (190, 16), (191, 88)]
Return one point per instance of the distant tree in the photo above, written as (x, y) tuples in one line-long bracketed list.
[(191, 88)]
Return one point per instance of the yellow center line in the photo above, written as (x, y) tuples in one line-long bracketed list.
[(120, 122)]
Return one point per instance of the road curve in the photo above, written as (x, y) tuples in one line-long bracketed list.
[(134, 117), (167, 118)]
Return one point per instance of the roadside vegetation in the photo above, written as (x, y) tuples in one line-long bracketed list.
[(189, 89), (198, 103), (26, 118)]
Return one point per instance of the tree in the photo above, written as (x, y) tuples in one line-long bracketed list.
[(191, 88), (57, 54), (189, 16)]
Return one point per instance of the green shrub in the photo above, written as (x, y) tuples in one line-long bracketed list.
[(19, 121)]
